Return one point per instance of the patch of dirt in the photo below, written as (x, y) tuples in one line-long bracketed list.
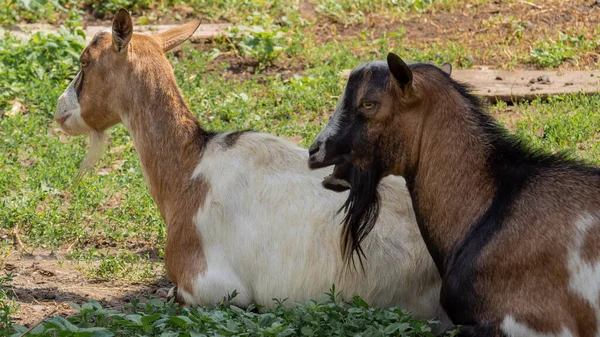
[(44, 285), (496, 32)]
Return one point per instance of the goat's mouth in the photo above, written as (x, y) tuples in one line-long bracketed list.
[(324, 155), (339, 179), (61, 119)]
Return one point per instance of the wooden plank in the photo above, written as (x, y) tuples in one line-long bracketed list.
[(515, 86), (205, 31)]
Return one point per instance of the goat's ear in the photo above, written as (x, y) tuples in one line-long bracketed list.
[(447, 68), (401, 72), (122, 29), (176, 36)]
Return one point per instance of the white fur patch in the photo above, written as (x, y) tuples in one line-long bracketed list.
[(270, 230), (584, 280), (68, 106), (512, 328), (585, 276)]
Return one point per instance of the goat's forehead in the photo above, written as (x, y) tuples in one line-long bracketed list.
[(100, 38), (374, 75), (98, 42)]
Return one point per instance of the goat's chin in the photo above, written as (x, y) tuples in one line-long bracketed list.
[(339, 179), (337, 185), (98, 141)]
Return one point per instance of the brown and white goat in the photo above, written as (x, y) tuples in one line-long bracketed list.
[(514, 231), (242, 209)]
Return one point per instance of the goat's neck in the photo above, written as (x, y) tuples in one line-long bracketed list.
[(169, 142), (447, 177)]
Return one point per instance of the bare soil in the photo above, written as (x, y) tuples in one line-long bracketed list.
[(45, 283), (489, 28)]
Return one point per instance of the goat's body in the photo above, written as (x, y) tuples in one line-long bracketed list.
[(514, 231), (269, 231), (565, 259)]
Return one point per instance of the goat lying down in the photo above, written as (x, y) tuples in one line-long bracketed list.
[(242, 209)]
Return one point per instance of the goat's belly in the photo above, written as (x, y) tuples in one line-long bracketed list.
[(260, 270), (267, 259), (278, 237)]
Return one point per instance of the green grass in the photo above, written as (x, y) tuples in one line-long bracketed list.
[(567, 47), (569, 123), (293, 85)]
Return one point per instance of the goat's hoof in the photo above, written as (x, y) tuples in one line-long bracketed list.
[(174, 294), (163, 292)]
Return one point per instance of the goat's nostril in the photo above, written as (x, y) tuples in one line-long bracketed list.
[(314, 148)]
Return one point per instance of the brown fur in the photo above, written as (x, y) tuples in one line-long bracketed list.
[(382, 131), (138, 86), (591, 246), (421, 130), (529, 259)]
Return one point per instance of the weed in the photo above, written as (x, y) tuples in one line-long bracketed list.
[(102, 7), (30, 69), (12, 12), (262, 45), (552, 53), (340, 12), (7, 305), (328, 316)]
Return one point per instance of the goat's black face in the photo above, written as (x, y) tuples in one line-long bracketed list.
[(360, 142), (347, 143), (344, 142)]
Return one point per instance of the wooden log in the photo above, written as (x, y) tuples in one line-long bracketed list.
[(516, 86)]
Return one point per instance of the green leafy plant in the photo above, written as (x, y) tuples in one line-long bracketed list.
[(16, 11), (329, 316), (349, 12), (102, 8), (7, 305), (341, 12), (552, 53), (31, 68), (263, 45)]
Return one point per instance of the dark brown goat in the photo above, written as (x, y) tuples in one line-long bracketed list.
[(513, 231)]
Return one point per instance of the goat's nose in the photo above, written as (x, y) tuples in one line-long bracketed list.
[(314, 148)]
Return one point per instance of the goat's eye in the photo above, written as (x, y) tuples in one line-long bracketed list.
[(83, 64), (368, 105)]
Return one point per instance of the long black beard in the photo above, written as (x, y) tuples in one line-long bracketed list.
[(362, 210)]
